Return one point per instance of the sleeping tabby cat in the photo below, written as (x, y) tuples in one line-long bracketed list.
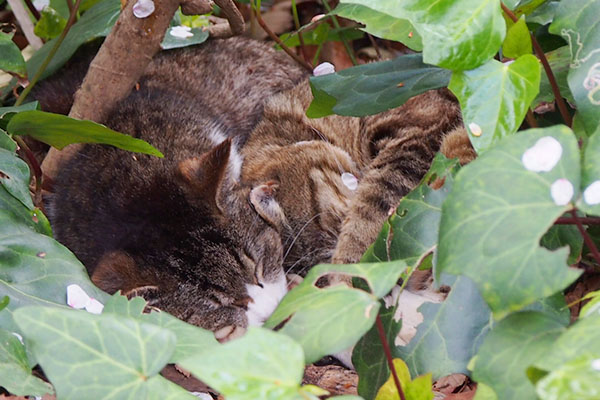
[(199, 233)]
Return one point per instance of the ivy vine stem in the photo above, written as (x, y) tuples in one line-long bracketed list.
[(388, 356), (583, 220), (37, 170), (562, 107), (586, 237), (50, 56)]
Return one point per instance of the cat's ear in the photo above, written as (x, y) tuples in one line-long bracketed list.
[(203, 176), (262, 198), (117, 271)]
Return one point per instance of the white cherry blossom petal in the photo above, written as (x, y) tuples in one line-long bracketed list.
[(143, 8), (181, 32), (561, 191), (94, 307), (543, 156), (475, 129), (15, 334), (324, 69), (41, 4), (591, 195), (350, 181), (77, 297), (596, 364)]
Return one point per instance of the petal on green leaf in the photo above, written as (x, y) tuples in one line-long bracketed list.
[(59, 131), (495, 216), (495, 97)]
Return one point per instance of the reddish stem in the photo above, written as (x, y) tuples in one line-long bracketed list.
[(573, 221), (562, 107), (586, 237), (388, 356)]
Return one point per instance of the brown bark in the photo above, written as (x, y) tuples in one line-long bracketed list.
[(123, 58)]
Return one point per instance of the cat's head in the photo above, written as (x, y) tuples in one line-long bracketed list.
[(222, 270)]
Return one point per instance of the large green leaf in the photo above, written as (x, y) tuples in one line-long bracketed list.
[(590, 182), (90, 356), (331, 319), (577, 22), (499, 209), (510, 348), (559, 61), (6, 113), (190, 338), (36, 270), (95, 22), (59, 131), (372, 88), (458, 34), (50, 25), (381, 24), (15, 371), (12, 59), (577, 379), (450, 333), (495, 97), (260, 365)]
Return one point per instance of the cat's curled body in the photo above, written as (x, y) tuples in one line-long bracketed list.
[(198, 237)]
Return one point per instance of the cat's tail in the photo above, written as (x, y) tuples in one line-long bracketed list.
[(57, 92)]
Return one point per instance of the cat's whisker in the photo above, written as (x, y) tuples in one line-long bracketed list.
[(298, 235), (305, 256)]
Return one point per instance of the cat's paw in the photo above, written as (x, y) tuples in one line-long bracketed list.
[(229, 332)]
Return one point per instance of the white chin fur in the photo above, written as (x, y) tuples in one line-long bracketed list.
[(264, 300)]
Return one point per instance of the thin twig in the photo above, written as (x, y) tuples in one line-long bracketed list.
[(300, 37), (586, 237), (375, 46), (388, 356), (531, 119), (34, 11), (573, 221), (50, 55), (273, 36), (562, 107), (337, 26)]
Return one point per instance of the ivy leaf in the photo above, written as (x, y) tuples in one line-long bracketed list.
[(14, 177), (559, 61), (12, 59), (6, 113), (417, 389), (576, 21), (498, 211), (321, 34), (375, 87), (344, 313), (544, 14), (190, 339), (517, 41), (590, 182), (380, 24), (510, 347), (495, 97), (451, 37), (575, 380), (50, 25), (260, 365), (59, 131), (97, 356), (15, 371), (95, 22), (564, 235)]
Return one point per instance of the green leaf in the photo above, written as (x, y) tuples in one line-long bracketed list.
[(484, 392), (590, 182), (381, 24), (576, 21), (495, 216), (452, 38), (593, 306), (564, 235), (50, 25), (190, 339), (559, 61), (173, 42), (451, 331), (510, 348), (260, 365), (389, 391), (495, 97), (517, 41), (36, 270), (12, 59), (375, 87), (59, 131), (528, 6), (14, 177), (544, 14), (6, 142), (96, 22), (6, 113), (15, 371), (578, 379), (581, 339), (96, 356), (321, 34), (344, 313)]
